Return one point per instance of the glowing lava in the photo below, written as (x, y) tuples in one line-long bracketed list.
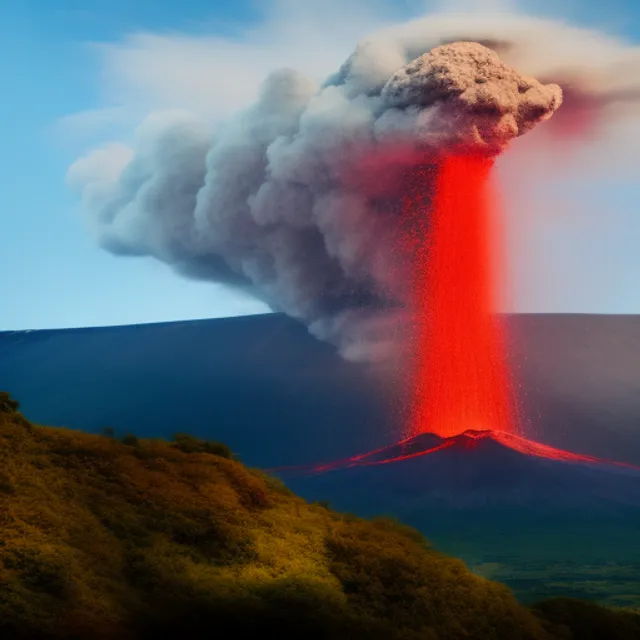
[(462, 381), (428, 443)]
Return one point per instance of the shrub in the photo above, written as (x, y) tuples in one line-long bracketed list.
[(130, 440), (38, 569), (274, 483), (189, 444), (7, 403), (6, 486), (588, 620), (392, 524)]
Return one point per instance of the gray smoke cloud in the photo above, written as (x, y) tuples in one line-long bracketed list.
[(298, 198)]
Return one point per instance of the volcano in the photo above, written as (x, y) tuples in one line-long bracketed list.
[(482, 469)]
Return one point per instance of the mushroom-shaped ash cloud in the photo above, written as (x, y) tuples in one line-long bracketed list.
[(479, 102)]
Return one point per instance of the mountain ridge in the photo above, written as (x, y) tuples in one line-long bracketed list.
[(577, 376)]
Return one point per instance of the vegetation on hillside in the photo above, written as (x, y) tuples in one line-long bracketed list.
[(101, 539)]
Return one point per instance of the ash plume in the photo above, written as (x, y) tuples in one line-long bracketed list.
[(476, 101), (300, 198)]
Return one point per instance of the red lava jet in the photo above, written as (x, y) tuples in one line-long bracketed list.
[(462, 381)]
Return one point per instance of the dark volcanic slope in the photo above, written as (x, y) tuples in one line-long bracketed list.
[(279, 397), (579, 381), (261, 384), (475, 469)]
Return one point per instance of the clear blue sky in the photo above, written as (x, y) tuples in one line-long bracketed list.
[(51, 272)]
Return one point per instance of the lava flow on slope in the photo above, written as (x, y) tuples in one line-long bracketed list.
[(425, 444)]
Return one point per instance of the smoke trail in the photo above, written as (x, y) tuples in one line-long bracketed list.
[(298, 198)]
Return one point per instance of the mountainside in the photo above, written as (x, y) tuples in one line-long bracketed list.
[(279, 397), (261, 384), (105, 540)]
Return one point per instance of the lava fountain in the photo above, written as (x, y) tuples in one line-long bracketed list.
[(462, 381)]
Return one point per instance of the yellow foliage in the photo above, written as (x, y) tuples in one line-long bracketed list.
[(100, 539)]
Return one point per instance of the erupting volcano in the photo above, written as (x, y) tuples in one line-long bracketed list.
[(462, 395)]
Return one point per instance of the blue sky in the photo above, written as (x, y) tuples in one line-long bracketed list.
[(52, 271), (64, 92)]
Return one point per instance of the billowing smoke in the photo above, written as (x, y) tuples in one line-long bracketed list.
[(301, 197)]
